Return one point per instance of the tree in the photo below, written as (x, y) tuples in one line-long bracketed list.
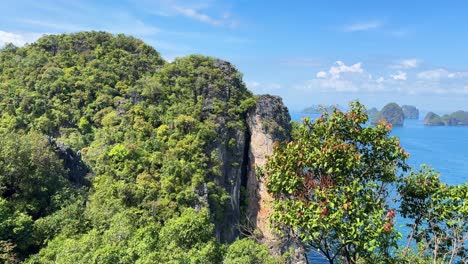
[(247, 251), (331, 185), (439, 214)]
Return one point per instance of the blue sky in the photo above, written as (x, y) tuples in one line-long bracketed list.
[(308, 52)]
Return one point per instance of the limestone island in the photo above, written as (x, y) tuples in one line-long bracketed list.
[(392, 113), (458, 118), (410, 112)]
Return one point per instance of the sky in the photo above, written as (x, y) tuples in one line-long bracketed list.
[(308, 52)]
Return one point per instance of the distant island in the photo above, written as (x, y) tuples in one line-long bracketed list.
[(318, 109), (372, 113), (392, 113), (458, 118), (410, 112)]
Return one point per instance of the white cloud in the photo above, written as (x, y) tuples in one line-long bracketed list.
[(340, 67), (438, 74), (400, 76), (258, 87), (18, 39), (197, 15), (363, 26), (343, 78), (406, 64), (321, 74), (435, 74)]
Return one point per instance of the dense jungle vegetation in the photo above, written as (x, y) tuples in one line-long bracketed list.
[(108, 155), (146, 129)]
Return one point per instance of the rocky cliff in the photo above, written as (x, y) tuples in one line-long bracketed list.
[(410, 112), (267, 123)]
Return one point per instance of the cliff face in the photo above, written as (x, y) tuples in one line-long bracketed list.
[(264, 123), (268, 122), (410, 112)]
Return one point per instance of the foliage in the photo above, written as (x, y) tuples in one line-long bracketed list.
[(330, 185), (149, 132), (247, 251), (439, 213)]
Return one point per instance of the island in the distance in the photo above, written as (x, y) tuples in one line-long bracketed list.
[(372, 113), (318, 109), (392, 113), (410, 112), (458, 118)]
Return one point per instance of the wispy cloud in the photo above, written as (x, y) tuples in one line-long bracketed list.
[(400, 76), (197, 15), (17, 39), (201, 11), (441, 73), (363, 26), (406, 64)]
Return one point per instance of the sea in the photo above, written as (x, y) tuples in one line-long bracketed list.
[(445, 148)]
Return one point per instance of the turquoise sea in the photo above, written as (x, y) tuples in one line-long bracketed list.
[(444, 148)]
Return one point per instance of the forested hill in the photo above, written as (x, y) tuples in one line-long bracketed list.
[(109, 154)]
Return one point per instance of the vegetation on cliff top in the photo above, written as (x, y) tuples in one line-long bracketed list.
[(148, 131)]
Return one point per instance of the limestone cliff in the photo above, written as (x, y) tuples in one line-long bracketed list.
[(410, 112), (268, 122)]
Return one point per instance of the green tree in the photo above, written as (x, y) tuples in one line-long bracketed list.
[(439, 214), (247, 251), (330, 185)]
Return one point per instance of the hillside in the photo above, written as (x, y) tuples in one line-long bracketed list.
[(116, 156)]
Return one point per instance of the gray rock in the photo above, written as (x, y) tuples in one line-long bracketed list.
[(268, 122)]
